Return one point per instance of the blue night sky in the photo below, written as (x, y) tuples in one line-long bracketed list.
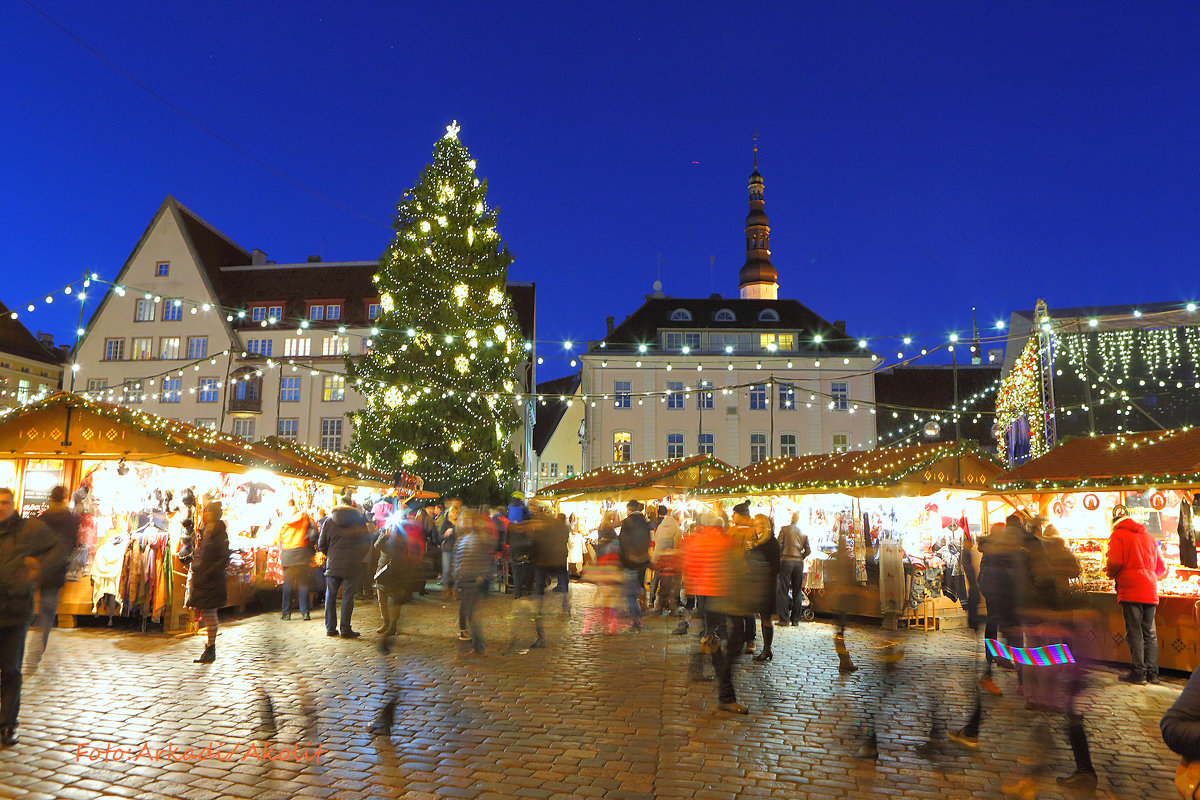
[(920, 158)]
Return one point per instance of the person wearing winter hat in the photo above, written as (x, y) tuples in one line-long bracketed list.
[(1136, 564)]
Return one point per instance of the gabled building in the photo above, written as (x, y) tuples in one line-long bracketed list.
[(30, 366), (743, 378), (197, 328), (557, 434)]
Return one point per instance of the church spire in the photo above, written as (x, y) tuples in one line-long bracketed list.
[(758, 278)]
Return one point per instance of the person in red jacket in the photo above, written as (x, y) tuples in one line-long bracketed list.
[(1136, 564)]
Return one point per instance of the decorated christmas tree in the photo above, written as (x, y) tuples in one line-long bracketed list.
[(438, 377)]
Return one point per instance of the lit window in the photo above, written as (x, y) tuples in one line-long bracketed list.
[(758, 447), (143, 311), (787, 445), (243, 428), (197, 347), (207, 390), (335, 345), (296, 346), (168, 347), (162, 269), (758, 397), (781, 341), (622, 446), (172, 390), (704, 396), (114, 349), (172, 309), (258, 347), (142, 349), (841, 442), (289, 429), (289, 390), (333, 388), (674, 445), (331, 434), (839, 392), (22, 390), (622, 394), (675, 396), (707, 444)]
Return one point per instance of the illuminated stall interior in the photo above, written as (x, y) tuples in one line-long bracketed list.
[(128, 473), (924, 498), (1156, 476)]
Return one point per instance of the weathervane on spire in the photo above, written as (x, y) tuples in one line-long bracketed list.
[(452, 130), (754, 135)]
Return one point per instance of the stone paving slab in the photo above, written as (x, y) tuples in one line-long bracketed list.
[(591, 716)]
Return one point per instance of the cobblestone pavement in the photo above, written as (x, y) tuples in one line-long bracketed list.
[(591, 716)]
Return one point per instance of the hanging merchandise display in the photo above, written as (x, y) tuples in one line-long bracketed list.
[(137, 482), (908, 516)]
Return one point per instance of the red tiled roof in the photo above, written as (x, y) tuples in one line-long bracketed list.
[(1134, 459)]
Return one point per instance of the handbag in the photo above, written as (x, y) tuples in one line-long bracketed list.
[(1187, 779)]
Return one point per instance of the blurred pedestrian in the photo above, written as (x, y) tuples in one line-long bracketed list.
[(400, 545), (607, 575), (842, 584), (634, 542), (473, 551), (206, 579), (1136, 564), (446, 540), (344, 540), (666, 562), (793, 550), (762, 578), (1180, 728), (550, 536), (713, 567), (25, 546), (297, 538), (575, 547), (64, 524)]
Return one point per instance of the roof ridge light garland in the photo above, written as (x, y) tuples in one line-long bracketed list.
[(79, 292)]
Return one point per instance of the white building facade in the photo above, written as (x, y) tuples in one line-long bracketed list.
[(743, 379)]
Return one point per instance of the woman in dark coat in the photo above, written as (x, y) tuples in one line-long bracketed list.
[(206, 581), (762, 559)]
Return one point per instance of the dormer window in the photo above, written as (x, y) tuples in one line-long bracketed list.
[(724, 315), (324, 311), (768, 315), (681, 315)]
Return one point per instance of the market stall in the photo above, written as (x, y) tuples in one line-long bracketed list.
[(1156, 476), (588, 495), (903, 513), (135, 479)]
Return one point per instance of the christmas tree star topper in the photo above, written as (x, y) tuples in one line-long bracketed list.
[(452, 130)]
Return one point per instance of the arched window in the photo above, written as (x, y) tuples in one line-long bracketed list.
[(768, 315), (724, 315), (681, 315)]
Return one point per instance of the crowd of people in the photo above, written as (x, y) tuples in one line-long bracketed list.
[(735, 576)]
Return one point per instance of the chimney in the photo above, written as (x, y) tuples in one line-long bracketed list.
[(47, 339), (839, 325), (608, 321), (314, 259), (257, 257)]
